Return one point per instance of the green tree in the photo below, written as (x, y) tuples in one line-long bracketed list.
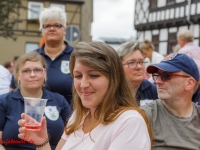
[(9, 17)]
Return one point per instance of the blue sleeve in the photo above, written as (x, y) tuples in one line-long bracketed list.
[(66, 111), (12, 83), (3, 110)]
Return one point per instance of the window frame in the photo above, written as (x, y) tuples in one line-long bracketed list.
[(30, 3)]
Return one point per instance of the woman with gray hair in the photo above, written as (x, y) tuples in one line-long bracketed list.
[(56, 51), (133, 61)]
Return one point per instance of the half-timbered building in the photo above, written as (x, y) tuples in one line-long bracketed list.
[(160, 20)]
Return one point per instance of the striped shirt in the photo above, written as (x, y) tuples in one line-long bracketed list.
[(191, 50)]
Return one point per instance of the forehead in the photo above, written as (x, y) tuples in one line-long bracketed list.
[(135, 55), (52, 21), (29, 64)]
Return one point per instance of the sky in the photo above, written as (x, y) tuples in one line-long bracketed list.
[(113, 19)]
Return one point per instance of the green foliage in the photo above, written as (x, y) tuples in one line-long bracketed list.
[(9, 17)]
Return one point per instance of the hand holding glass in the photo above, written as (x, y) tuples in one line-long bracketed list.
[(34, 108)]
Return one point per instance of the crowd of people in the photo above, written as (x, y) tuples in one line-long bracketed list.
[(101, 98)]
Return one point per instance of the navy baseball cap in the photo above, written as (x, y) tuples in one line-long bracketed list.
[(174, 63)]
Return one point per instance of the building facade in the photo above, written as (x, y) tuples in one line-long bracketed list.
[(79, 16), (160, 20)]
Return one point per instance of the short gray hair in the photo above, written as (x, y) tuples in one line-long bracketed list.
[(53, 13), (186, 35), (127, 48)]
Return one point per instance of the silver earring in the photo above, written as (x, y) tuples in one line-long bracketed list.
[(18, 83)]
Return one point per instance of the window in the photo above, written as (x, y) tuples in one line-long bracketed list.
[(31, 46), (58, 5), (153, 3), (155, 41), (172, 41), (34, 10)]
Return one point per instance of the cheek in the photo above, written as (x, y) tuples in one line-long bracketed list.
[(76, 84)]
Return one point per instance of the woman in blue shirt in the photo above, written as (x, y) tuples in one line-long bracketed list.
[(30, 74), (133, 61)]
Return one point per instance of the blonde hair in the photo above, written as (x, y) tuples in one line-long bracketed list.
[(31, 56), (146, 44), (119, 97)]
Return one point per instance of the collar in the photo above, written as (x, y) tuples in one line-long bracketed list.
[(67, 49), (144, 85), (17, 95)]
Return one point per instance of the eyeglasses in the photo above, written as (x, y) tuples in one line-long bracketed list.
[(166, 75), (133, 64), (36, 71), (55, 26)]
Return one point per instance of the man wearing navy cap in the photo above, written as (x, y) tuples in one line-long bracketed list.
[(174, 118)]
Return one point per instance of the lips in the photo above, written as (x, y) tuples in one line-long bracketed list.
[(87, 93), (138, 74)]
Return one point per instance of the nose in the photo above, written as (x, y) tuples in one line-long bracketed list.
[(32, 73), (84, 82)]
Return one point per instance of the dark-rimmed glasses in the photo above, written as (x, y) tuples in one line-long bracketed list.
[(133, 64), (55, 26), (166, 75)]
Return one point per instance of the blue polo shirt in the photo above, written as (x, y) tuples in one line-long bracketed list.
[(57, 111), (147, 90), (196, 96), (58, 77)]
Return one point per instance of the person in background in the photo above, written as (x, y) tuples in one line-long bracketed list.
[(5, 79), (148, 50), (133, 62), (15, 58), (30, 74), (152, 56), (105, 113), (10, 66), (56, 51), (185, 40), (12, 83), (174, 118)]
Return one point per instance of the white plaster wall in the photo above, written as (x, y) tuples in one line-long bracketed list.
[(195, 30), (161, 3), (163, 48), (162, 15), (196, 42), (155, 32), (178, 1), (198, 6), (177, 13), (172, 13), (172, 29), (141, 36), (192, 11), (163, 36), (158, 16), (182, 28), (167, 14), (148, 35), (181, 12)]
